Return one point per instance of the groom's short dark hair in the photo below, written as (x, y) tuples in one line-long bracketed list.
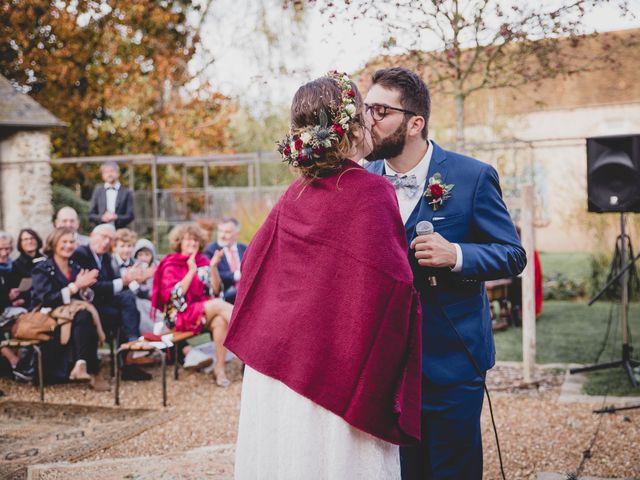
[(414, 94)]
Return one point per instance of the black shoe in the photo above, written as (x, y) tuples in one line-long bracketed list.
[(26, 359), (133, 373), (23, 376)]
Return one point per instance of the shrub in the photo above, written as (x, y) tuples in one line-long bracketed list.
[(559, 286), (601, 274), (64, 196)]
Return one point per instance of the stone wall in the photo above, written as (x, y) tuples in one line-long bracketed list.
[(25, 182)]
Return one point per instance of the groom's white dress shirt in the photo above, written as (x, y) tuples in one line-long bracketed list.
[(407, 201)]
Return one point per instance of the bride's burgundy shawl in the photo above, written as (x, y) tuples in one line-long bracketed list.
[(326, 303)]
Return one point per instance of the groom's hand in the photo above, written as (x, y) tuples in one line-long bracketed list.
[(434, 251)]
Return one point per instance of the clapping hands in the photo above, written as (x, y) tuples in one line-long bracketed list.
[(13, 297), (135, 273), (215, 259), (86, 278), (191, 262)]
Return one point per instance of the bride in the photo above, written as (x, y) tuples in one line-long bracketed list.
[(326, 319)]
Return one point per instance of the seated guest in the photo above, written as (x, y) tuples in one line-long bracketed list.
[(123, 244), (11, 305), (116, 311), (59, 281), (229, 267), (121, 261), (29, 246), (8, 280), (68, 217), (144, 256), (184, 286)]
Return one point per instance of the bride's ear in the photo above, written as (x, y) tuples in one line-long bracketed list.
[(357, 133)]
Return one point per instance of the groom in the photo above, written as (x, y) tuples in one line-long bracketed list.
[(474, 240)]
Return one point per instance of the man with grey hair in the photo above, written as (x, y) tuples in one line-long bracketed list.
[(68, 217), (114, 298), (229, 266), (111, 202)]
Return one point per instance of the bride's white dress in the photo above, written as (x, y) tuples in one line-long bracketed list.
[(283, 435)]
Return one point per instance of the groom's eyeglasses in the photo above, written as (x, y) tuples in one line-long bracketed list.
[(378, 112)]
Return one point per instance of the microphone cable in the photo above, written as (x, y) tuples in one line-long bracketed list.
[(587, 454), (484, 381)]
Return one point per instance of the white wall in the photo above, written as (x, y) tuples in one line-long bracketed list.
[(562, 164)]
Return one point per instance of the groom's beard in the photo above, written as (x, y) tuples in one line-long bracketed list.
[(390, 146)]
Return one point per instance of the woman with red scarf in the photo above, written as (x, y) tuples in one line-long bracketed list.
[(326, 318), (184, 286)]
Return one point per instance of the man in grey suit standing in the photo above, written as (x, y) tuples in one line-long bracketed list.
[(111, 202)]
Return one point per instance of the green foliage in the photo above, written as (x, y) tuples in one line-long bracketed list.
[(565, 275), (580, 275), (601, 269), (560, 287), (65, 197)]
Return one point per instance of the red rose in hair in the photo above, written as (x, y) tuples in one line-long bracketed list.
[(286, 151), (338, 129), (298, 144), (303, 158), (351, 93), (318, 151), (436, 190)]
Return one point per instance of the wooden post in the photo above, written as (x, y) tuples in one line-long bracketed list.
[(132, 187), (154, 200), (132, 178), (528, 285), (185, 202), (205, 187), (258, 172)]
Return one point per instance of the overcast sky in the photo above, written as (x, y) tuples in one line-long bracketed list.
[(245, 63)]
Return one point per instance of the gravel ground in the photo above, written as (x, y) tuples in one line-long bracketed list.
[(536, 432)]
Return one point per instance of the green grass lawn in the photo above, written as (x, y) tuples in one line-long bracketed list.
[(575, 265), (572, 332)]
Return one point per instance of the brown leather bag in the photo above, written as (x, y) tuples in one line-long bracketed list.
[(33, 325)]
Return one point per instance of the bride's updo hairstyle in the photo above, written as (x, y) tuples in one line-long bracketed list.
[(324, 113)]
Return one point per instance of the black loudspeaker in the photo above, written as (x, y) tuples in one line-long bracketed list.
[(613, 173)]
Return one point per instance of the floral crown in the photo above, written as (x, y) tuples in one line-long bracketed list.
[(311, 142)]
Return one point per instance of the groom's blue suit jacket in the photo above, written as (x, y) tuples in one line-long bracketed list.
[(476, 218)]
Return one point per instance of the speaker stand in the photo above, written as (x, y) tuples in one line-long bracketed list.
[(620, 257)]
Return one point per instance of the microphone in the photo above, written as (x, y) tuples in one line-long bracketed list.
[(426, 228)]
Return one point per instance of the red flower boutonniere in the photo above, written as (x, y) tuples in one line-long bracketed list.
[(437, 192)]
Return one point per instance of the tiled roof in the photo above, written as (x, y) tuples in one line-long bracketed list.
[(20, 110)]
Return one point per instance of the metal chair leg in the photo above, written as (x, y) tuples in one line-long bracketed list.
[(36, 348), (175, 361), (117, 375), (114, 344), (164, 376), (112, 369)]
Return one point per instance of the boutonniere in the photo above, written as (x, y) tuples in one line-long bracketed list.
[(437, 192)]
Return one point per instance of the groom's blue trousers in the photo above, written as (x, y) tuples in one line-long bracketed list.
[(451, 446)]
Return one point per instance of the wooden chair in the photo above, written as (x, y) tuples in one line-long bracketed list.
[(153, 348), (35, 345), (498, 290)]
